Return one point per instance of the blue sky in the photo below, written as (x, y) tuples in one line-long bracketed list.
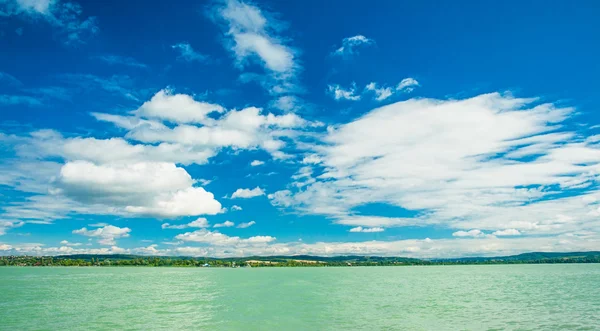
[(230, 128)]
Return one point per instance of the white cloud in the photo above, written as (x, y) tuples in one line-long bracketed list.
[(507, 232), (491, 162), (350, 45), (149, 250), (154, 189), (361, 229), (340, 93), (199, 223), (220, 245), (226, 224), (245, 193), (5, 225), (246, 225), (81, 188), (407, 85), (188, 54), (381, 93), (312, 159), (66, 17), (256, 163), (178, 108), (287, 103), (471, 233), (106, 235), (236, 208), (219, 239), (244, 129), (5, 247), (70, 244), (253, 37), (98, 225)]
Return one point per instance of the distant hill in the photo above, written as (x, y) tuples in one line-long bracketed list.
[(533, 257), (527, 257)]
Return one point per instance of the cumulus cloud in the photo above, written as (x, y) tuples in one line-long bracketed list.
[(246, 225), (106, 235), (339, 93), (148, 250), (361, 229), (256, 163), (236, 208), (245, 193), (188, 54), (247, 128), (178, 108), (65, 17), (226, 224), (88, 160), (219, 239), (350, 45), (155, 189), (199, 223)]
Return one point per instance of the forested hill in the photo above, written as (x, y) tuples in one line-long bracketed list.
[(289, 261)]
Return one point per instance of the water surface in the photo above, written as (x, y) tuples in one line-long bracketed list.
[(495, 297)]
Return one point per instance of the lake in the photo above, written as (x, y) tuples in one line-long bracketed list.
[(494, 297)]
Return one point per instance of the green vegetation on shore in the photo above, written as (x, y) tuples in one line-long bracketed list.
[(288, 261)]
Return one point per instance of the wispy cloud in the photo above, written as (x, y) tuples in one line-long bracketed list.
[(199, 223), (66, 17), (340, 93), (188, 54), (12, 100), (407, 85), (493, 162), (116, 84), (120, 60), (351, 44), (366, 230), (226, 224), (10, 80), (253, 37), (246, 225), (381, 93)]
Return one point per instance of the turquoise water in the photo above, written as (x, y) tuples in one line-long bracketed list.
[(497, 297)]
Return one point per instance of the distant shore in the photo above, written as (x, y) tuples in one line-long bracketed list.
[(289, 261)]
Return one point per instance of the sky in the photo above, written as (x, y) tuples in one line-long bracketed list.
[(230, 128)]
